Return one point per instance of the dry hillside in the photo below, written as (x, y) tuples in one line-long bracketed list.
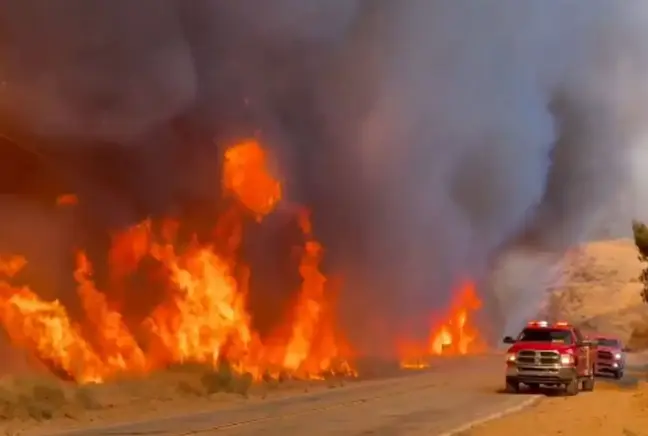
[(600, 291)]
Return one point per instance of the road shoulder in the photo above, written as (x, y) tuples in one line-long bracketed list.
[(612, 409)]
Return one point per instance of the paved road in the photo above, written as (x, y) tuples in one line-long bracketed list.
[(425, 403)]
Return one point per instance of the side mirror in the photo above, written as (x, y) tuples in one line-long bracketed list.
[(587, 343), (508, 340), (626, 349)]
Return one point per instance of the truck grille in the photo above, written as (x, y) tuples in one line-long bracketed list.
[(604, 355), (531, 357)]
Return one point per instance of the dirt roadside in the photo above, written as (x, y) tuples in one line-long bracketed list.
[(31, 402), (612, 409)]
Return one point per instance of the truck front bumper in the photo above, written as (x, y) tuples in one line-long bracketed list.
[(541, 374), (609, 366)]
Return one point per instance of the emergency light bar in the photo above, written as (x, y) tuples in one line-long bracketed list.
[(546, 324), (538, 324)]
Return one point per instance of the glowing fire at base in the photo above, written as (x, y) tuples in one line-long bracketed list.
[(203, 316), (455, 334)]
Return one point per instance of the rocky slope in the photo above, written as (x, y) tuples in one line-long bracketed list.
[(600, 291), (595, 286)]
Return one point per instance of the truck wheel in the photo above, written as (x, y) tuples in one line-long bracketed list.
[(618, 375), (512, 385), (588, 384), (571, 388)]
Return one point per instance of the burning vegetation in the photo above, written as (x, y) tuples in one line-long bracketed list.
[(454, 333), (202, 317)]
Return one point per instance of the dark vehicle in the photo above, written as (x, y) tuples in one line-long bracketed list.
[(552, 355), (611, 356)]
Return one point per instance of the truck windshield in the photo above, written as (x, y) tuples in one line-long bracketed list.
[(612, 343), (546, 335)]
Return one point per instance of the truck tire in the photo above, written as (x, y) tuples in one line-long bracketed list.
[(618, 375), (512, 385), (588, 384), (572, 388)]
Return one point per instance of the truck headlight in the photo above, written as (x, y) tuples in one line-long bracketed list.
[(566, 359), (617, 356), (510, 357)]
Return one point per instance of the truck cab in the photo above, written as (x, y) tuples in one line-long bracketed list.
[(611, 356), (553, 355)]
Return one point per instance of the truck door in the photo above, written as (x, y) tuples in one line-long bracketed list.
[(584, 354)]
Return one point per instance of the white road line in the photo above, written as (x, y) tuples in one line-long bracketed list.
[(493, 416)]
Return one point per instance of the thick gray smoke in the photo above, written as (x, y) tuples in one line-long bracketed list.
[(430, 136)]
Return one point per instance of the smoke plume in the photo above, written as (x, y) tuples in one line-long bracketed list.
[(429, 136)]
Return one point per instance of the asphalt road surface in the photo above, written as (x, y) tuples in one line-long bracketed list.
[(430, 402)]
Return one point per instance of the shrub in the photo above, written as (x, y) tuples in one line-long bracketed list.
[(224, 379), (640, 233)]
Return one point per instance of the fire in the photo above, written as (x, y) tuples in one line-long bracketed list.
[(67, 200), (11, 265), (454, 335), (443, 339), (203, 316), (457, 335), (245, 175), (313, 342), (45, 329)]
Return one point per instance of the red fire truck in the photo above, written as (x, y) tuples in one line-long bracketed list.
[(552, 355)]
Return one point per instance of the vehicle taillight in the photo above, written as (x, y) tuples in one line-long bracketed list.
[(566, 359)]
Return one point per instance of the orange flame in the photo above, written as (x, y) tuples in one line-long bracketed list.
[(456, 334), (313, 343), (67, 200), (245, 175), (11, 265), (203, 317)]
